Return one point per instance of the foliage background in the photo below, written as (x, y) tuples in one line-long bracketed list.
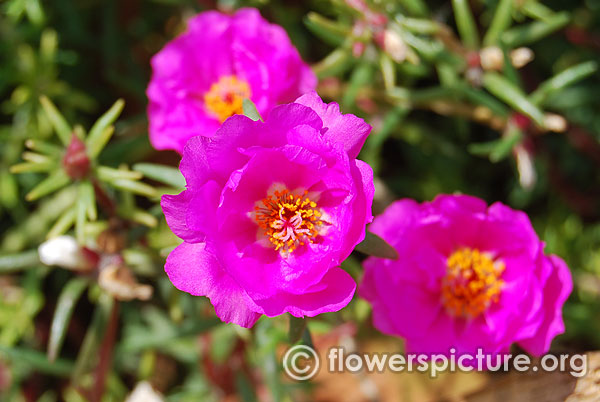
[(84, 55)]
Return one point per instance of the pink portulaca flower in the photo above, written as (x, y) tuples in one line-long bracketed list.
[(200, 78), (270, 211), (468, 276)]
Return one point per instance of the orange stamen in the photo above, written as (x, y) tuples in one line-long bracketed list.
[(225, 97), (472, 283), (288, 220)]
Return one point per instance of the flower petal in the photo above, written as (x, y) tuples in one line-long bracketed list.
[(346, 129), (174, 208), (192, 268), (556, 291), (333, 293)]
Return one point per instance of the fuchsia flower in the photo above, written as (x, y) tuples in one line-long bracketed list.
[(467, 277), (270, 211), (201, 77)]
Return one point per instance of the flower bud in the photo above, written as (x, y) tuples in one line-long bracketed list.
[(555, 122), (525, 167), (358, 49), (143, 392), (474, 76), (521, 56), (76, 162), (473, 60), (492, 58), (394, 46), (521, 121), (376, 19), (65, 252)]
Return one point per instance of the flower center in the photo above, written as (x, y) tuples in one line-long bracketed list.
[(288, 220), (224, 99), (472, 283)]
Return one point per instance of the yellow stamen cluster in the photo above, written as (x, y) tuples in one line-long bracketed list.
[(224, 99), (288, 220), (472, 283)]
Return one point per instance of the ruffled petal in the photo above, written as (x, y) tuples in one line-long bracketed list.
[(265, 57), (333, 293), (174, 208), (396, 218), (360, 211), (556, 291), (192, 268), (346, 129)]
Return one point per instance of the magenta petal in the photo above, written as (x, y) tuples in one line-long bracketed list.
[(516, 312), (194, 164), (394, 220), (193, 269), (333, 293), (264, 55), (215, 158), (420, 308), (510, 232), (286, 117), (361, 212), (383, 315), (200, 214), (174, 207), (556, 291), (440, 338), (346, 129), (458, 203)]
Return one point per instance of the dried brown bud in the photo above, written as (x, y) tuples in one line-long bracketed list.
[(482, 113), (111, 241), (116, 279)]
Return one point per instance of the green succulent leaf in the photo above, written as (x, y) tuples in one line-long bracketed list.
[(62, 315), (164, 174), (375, 246)]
